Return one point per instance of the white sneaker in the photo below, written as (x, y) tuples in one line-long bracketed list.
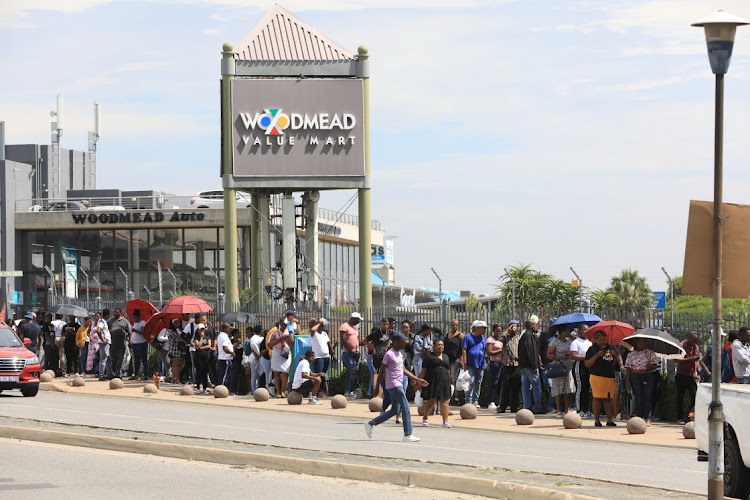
[(411, 438), (368, 429), (492, 406), (358, 394), (351, 395), (476, 404), (314, 401)]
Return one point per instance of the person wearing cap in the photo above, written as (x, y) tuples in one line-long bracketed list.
[(322, 348), (350, 343), (392, 371), (529, 362), (202, 345), (511, 377), (29, 329), (472, 359), (422, 346)]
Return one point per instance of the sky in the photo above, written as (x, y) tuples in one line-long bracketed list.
[(554, 134)]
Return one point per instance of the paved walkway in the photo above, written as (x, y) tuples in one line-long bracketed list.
[(659, 434)]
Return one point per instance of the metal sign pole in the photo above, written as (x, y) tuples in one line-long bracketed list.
[(227, 169), (365, 229)]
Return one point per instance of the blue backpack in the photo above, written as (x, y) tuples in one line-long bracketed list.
[(727, 370)]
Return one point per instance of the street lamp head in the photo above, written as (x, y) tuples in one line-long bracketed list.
[(720, 29)]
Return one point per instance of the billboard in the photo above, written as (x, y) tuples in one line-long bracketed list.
[(292, 128)]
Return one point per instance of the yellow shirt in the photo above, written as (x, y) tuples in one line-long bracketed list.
[(81, 335)]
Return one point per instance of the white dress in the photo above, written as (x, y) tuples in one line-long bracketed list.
[(278, 362)]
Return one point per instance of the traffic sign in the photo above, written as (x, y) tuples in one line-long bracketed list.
[(660, 300), (11, 274)]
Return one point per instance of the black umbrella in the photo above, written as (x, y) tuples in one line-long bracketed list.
[(239, 317), (658, 341), (69, 310)]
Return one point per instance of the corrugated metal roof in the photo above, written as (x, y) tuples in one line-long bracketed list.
[(282, 36)]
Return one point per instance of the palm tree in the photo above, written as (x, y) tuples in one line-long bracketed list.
[(632, 291), (603, 299)]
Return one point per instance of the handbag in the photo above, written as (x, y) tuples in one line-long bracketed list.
[(285, 351), (556, 370)]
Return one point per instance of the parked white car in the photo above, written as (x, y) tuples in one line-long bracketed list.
[(215, 199), (736, 401)]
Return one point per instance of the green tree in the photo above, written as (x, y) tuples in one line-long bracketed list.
[(632, 291), (474, 310), (535, 290), (603, 299)]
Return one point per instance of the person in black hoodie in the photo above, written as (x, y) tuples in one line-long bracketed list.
[(529, 362)]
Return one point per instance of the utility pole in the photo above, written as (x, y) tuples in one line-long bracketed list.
[(87, 284), (440, 291), (580, 288)]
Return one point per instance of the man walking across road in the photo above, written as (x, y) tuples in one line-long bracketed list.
[(120, 330), (392, 369), (350, 356), (529, 362)]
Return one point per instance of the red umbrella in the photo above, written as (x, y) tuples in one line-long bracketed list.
[(615, 331), (147, 309), (185, 305), (155, 325)]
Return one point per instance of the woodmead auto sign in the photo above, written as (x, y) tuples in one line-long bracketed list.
[(288, 127)]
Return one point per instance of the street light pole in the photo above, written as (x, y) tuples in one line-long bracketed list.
[(87, 284), (720, 29), (513, 285), (671, 298), (580, 288)]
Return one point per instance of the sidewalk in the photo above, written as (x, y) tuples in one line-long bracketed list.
[(659, 434)]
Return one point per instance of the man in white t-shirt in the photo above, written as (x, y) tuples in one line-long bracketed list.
[(140, 346), (305, 380), (578, 350), (105, 342), (226, 354), (321, 347)]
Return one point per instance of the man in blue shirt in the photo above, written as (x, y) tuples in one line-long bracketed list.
[(472, 359)]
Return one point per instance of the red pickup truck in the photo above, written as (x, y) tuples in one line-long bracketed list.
[(19, 367)]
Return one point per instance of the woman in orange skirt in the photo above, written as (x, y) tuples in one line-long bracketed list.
[(600, 360)]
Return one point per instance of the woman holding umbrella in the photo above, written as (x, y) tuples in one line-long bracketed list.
[(559, 351), (639, 365)]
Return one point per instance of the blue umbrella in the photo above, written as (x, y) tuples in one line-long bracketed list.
[(575, 320)]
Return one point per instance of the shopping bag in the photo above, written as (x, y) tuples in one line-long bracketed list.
[(463, 382)]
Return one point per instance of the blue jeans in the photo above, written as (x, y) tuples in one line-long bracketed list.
[(743, 380), (400, 405), (351, 363), (140, 356), (642, 385), (476, 384), (264, 366), (321, 365), (105, 363), (496, 369), (530, 382), (84, 356), (387, 395), (192, 366), (225, 367), (373, 371)]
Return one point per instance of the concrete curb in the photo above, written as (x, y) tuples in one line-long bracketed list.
[(530, 430), (438, 481)]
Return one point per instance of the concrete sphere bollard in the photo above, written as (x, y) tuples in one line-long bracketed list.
[(376, 405), (294, 398), (636, 425), (338, 401), (572, 420), (221, 391), (261, 394), (116, 383), (51, 372), (186, 390), (47, 377), (78, 382), (688, 430), (150, 389), (524, 417), (468, 412)]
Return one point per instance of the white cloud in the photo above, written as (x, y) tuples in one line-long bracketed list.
[(15, 13)]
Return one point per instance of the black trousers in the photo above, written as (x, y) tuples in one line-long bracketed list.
[(72, 361), (684, 383), (583, 386), (117, 353), (511, 386), (52, 358), (202, 361), (656, 391)]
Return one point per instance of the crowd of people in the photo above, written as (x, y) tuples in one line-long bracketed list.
[(557, 369)]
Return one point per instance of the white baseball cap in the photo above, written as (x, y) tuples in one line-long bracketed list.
[(356, 315), (479, 323)]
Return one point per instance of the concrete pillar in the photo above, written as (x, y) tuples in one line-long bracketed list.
[(227, 169), (311, 238), (256, 243), (289, 243), (365, 230)]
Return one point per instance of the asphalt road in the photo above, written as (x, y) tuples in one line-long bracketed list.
[(124, 475), (631, 464)]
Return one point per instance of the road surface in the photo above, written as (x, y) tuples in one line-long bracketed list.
[(630, 464)]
